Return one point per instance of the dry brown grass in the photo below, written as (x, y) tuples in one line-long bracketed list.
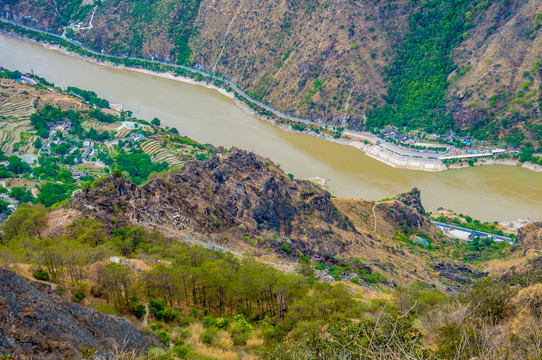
[(195, 329), (215, 352), (225, 339), (219, 352), (250, 357), (256, 340)]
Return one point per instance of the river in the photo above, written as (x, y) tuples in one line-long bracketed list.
[(486, 193)]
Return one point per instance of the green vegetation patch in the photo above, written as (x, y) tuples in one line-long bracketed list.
[(418, 74)]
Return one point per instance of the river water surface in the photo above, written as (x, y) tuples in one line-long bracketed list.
[(486, 193)]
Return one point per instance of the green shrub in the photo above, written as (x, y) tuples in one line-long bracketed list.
[(157, 308), (164, 337), (186, 320), (181, 350), (41, 274), (222, 323), (171, 315), (206, 338), (78, 295), (208, 322), (286, 248), (269, 334), (139, 311)]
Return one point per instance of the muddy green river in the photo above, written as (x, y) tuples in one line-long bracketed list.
[(486, 193)]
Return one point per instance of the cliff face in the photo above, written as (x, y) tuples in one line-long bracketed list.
[(38, 324)]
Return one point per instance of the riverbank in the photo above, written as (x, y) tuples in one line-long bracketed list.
[(378, 149), (500, 162)]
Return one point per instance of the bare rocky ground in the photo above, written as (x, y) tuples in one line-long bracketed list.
[(39, 324)]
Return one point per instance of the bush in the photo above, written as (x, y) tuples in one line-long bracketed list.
[(182, 350), (239, 339), (269, 334), (164, 337), (179, 336), (157, 308), (240, 330), (487, 299), (78, 295), (286, 248), (139, 311), (206, 338), (222, 323), (186, 320), (208, 322), (41, 274), (171, 315)]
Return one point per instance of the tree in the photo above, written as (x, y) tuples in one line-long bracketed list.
[(17, 166), (51, 193), (4, 173), (116, 280), (3, 207), (89, 231), (306, 270), (28, 220), (487, 298), (155, 122), (22, 194)]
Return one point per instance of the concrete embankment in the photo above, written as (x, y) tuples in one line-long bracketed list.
[(381, 151)]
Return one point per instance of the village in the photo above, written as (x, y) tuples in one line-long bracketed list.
[(428, 152)]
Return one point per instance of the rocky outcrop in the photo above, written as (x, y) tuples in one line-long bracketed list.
[(457, 273), (233, 190), (36, 323), (413, 199), (529, 237)]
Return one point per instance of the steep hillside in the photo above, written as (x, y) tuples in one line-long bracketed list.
[(469, 66), (236, 193), (242, 202), (37, 323), (323, 60), (495, 92)]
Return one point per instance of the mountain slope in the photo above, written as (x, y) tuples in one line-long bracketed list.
[(37, 323), (468, 66), (240, 202)]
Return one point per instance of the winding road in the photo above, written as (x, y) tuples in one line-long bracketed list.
[(189, 69)]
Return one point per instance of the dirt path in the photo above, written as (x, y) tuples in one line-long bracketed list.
[(374, 212), (226, 34), (146, 316)]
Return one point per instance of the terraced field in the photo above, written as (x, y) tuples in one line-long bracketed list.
[(18, 110), (100, 126), (15, 126), (159, 154), (123, 132)]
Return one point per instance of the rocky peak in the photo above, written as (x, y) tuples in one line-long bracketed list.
[(231, 189), (413, 199)]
